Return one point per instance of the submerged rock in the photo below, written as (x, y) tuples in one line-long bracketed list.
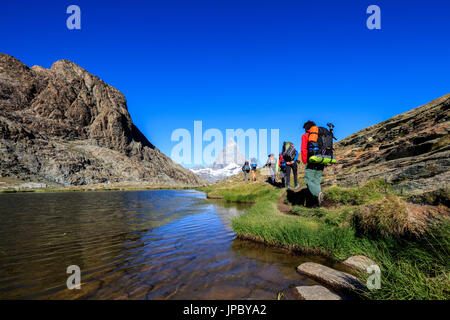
[(338, 280), (316, 293)]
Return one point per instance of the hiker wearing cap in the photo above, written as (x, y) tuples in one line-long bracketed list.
[(313, 171)]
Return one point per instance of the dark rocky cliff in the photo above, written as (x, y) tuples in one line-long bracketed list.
[(66, 126), (410, 150)]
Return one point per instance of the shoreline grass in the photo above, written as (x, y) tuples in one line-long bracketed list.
[(413, 266)]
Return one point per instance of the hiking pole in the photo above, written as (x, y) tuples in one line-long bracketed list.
[(331, 126)]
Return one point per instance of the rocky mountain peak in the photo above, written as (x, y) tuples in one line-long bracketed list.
[(68, 69), (65, 108)]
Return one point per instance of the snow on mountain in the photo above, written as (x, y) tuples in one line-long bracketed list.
[(211, 175), (228, 163), (229, 154)]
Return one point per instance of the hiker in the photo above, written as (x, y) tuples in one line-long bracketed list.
[(253, 165), (246, 170), (290, 155), (272, 164), (313, 171), (282, 166)]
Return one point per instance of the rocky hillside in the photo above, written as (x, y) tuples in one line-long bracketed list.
[(411, 150), (65, 126)]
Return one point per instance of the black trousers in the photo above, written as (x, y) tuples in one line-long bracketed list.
[(288, 173)]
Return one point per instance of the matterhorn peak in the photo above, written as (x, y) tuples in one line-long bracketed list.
[(229, 155), (228, 163)]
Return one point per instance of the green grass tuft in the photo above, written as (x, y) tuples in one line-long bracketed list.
[(242, 193), (369, 192)]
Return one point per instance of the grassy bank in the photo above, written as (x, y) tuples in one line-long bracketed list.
[(371, 220), (250, 192)]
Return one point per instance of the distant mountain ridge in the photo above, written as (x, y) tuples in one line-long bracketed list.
[(65, 126)]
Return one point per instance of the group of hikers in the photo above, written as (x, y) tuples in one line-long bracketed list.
[(316, 152)]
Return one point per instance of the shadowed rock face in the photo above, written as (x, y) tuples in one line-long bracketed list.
[(411, 150), (66, 126)]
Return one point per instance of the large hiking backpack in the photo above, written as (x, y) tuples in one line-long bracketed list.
[(288, 151), (320, 145)]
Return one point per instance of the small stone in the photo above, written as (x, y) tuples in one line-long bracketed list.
[(335, 279), (316, 293), (359, 263)]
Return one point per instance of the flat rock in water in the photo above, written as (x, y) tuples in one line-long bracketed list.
[(316, 293), (359, 263), (335, 279)]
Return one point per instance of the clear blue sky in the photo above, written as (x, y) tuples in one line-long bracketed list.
[(245, 64)]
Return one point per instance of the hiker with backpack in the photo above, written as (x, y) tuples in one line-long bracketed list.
[(253, 166), (282, 166), (246, 170), (316, 150), (290, 155), (272, 164)]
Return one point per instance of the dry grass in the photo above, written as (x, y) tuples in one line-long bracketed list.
[(393, 217)]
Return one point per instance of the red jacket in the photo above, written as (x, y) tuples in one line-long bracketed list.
[(280, 159), (305, 138)]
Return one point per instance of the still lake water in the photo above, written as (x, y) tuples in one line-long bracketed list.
[(165, 244)]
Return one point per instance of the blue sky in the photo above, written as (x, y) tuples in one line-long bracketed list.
[(245, 64)]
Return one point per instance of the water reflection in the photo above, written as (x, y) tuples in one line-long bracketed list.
[(134, 245)]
